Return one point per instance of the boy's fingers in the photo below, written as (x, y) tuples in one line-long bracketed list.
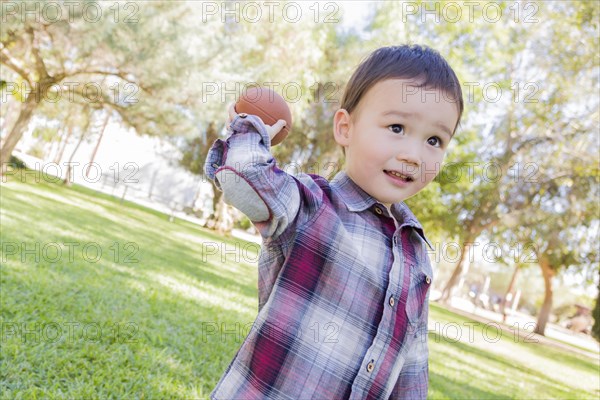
[(277, 126), (231, 111)]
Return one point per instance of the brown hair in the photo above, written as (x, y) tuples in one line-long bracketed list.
[(403, 62)]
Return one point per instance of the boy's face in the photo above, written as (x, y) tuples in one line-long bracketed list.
[(397, 128)]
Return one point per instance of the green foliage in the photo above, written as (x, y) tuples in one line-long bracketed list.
[(99, 63), (243, 223), (195, 149), (16, 162), (45, 133)]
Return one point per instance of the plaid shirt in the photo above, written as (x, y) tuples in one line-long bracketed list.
[(343, 289)]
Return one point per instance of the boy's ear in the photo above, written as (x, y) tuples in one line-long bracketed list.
[(341, 127)]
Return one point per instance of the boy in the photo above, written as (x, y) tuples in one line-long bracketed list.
[(343, 271)]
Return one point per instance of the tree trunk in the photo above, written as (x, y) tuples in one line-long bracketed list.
[(213, 221), (10, 142), (67, 131), (10, 115), (87, 172), (67, 180), (225, 218), (64, 143), (510, 289), (196, 195), (152, 183), (548, 274), (55, 146), (447, 292)]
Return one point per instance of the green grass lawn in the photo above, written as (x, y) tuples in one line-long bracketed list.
[(470, 360), (101, 299)]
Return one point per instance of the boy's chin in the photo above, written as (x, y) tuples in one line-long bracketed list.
[(388, 201)]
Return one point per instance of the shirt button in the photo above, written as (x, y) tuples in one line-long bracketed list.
[(215, 165), (370, 366), (428, 280), (392, 301), (243, 115), (378, 210)]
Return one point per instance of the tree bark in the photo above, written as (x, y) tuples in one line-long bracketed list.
[(220, 218), (18, 129), (222, 225), (543, 316)]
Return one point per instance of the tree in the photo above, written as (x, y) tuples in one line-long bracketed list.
[(194, 152), (100, 62), (561, 222), (84, 133), (315, 60), (520, 138)]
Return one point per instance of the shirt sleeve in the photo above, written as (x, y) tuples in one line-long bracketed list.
[(245, 170)]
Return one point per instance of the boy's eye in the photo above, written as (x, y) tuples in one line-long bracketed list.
[(396, 128), (435, 141)]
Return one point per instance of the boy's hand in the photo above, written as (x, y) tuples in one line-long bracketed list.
[(272, 130)]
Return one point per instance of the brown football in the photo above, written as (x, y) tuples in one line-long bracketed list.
[(269, 106)]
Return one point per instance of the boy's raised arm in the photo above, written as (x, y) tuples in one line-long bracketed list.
[(245, 170)]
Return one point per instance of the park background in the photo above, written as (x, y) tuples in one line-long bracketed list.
[(123, 274)]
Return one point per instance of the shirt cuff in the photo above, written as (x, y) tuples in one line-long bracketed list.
[(246, 123), (241, 125), (214, 160)]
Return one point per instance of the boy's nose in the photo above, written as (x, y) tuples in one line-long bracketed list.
[(409, 155)]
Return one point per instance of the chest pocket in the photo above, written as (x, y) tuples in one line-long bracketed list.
[(421, 277)]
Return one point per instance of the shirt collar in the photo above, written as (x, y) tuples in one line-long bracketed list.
[(356, 200), (352, 195)]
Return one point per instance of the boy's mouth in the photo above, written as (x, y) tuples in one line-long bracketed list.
[(396, 174)]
